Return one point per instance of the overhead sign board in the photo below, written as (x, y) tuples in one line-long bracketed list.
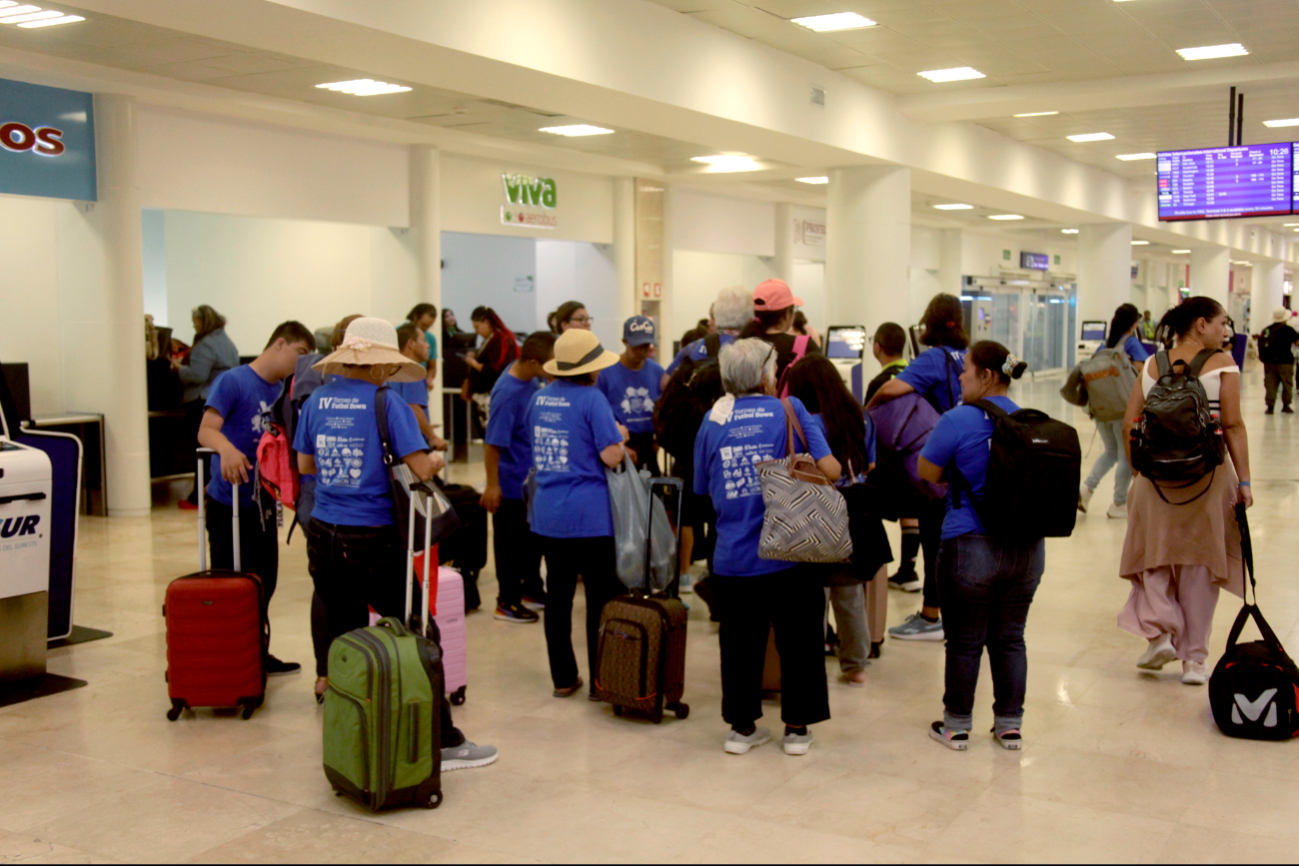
[(47, 142), (530, 201)]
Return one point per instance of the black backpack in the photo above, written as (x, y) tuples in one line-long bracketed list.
[(1034, 471), (1177, 439), (690, 393), (1254, 690)]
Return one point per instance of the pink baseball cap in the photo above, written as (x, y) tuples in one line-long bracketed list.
[(774, 295)]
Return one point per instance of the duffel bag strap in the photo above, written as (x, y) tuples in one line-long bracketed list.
[(1251, 609)]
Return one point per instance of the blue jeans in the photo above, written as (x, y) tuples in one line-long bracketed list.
[(987, 586), (1112, 435)]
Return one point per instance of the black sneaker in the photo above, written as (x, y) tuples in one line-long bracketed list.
[(1271, 410), (277, 668), (1287, 411), (514, 613), (907, 581), (875, 649)]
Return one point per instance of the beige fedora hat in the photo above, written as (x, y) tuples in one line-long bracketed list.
[(578, 351), (372, 343)]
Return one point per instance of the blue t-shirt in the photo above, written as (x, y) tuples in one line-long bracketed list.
[(240, 397), (725, 457), (963, 436), (632, 393), (1135, 350), (339, 428), (414, 393), (844, 479), (698, 351), (508, 431), (931, 373), (571, 424)]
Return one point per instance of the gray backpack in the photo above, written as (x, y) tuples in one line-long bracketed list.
[(1108, 379)]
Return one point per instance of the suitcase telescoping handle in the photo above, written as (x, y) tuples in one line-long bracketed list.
[(200, 484), (668, 485), (417, 488)]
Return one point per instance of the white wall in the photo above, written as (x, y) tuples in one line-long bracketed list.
[(703, 222), (154, 232), (570, 271), (698, 276), (982, 255), (480, 271)]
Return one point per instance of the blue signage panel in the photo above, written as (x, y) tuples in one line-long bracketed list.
[(47, 142), (1249, 180), (1035, 261)]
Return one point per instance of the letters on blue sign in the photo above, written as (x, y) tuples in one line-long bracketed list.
[(47, 142)]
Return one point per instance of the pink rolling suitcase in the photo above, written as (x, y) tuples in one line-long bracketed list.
[(450, 617)]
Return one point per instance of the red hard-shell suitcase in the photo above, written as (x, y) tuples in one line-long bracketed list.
[(217, 632)]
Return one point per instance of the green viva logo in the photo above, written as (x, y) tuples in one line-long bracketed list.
[(535, 191)]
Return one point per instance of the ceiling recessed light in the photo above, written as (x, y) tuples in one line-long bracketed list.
[(14, 9), (8, 16), (1289, 121), (1068, 231), (1289, 225), (1129, 157), (576, 130), (1036, 114), (364, 87), (953, 207), (834, 21), (1180, 252), (725, 162), (1242, 262), (1090, 136), (1141, 243), (50, 22), (818, 181), (1209, 52), (960, 73), (1005, 216)]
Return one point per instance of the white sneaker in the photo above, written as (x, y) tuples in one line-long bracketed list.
[(1195, 673), (1159, 653), (736, 744), (1119, 512), (1084, 498), (796, 744)]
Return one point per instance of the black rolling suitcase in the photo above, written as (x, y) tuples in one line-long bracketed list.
[(641, 655), (466, 548)]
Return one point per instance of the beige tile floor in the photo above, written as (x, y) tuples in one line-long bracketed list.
[(1118, 764)]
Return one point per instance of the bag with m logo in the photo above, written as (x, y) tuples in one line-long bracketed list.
[(1254, 690)]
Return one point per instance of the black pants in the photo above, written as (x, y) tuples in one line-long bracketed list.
[(356, 567), (792, 602), (259, 539), (518, 554), (193, 420), (566, 558), (931, 535), (643, 445)]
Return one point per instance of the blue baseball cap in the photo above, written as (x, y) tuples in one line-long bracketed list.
[(638, 331)]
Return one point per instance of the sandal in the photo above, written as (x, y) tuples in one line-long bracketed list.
[(322, 685)]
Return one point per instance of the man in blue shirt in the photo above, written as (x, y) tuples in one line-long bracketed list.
[(414, 346), (233, 423), (508, 457), (633, 386)]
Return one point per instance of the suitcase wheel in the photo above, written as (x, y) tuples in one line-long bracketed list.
[(249, 708), (617, 710), (177, 707), (434, 800), (682, 711), (457, 698)]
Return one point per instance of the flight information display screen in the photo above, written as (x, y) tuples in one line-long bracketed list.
[(1222, 182)]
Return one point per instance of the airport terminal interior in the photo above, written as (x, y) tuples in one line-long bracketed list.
[(1044, 162)]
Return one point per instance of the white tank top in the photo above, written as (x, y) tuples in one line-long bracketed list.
[(1212, 382)]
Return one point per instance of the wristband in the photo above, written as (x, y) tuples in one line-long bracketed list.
[(1243, 484)]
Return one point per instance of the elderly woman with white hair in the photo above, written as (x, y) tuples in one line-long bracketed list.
[(744, 428), (732, 310)]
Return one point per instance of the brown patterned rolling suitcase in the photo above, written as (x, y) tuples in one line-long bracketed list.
[(641, 656)]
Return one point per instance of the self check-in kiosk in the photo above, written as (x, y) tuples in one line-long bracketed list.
[(845, 345)]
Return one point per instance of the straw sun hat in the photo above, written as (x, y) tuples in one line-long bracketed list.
[(372, 343), (577, 352)]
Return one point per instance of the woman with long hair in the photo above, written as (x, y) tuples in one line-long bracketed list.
[(1183, 544), (499, 350), (1123, 337), (935, 375), (211, 354)]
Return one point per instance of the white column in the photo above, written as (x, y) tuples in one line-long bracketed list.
[(868, 247), (624, 254), (121, 375), (783, 261), (426, 223), (1104, 270), (1211, 272), (951, 276), (1267, 293)]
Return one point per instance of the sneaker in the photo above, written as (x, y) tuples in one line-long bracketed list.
[(534, 603), (1195, 673), (907, 581), (1271, 410), (958, 741), (466, 756), (738, 744), (1084, 498), (796, 744), (570, 690), (277, 668), (1009, 739), (1118, 512), (1287, 411), (917, 627), (1159, 653), (514, 613)]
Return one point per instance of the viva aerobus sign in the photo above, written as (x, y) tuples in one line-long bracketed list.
[(530, 201)]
